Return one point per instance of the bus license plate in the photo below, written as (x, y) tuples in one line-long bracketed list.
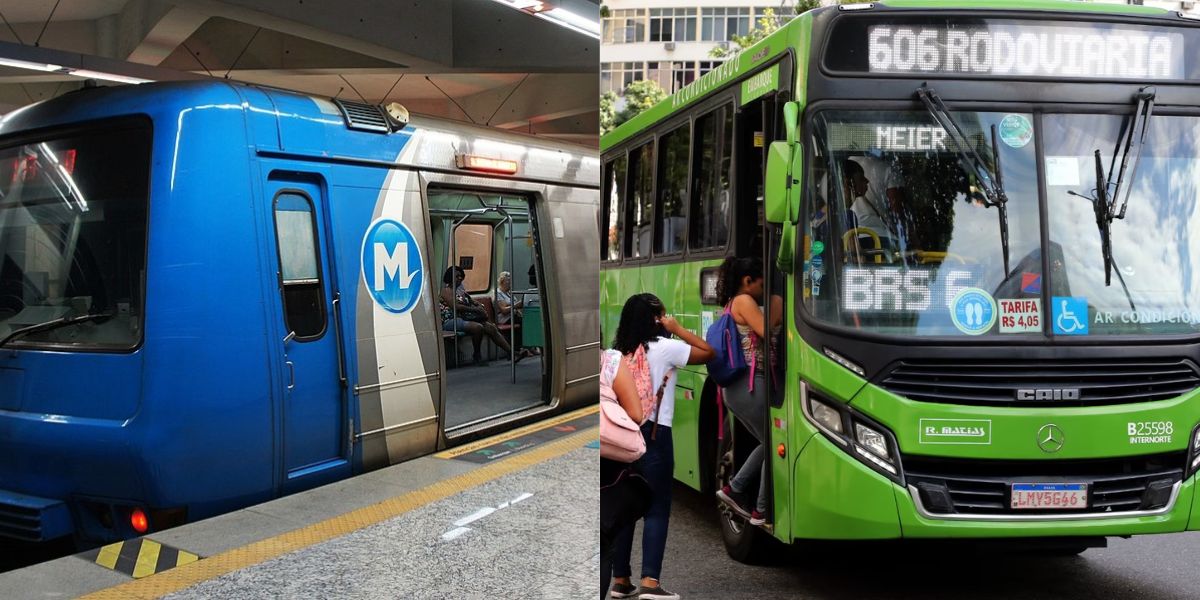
[(1064, 496)]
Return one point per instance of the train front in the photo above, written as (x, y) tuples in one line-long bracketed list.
[(81, 178), (999, 296)]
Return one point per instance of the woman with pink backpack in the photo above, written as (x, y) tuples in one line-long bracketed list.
[(644, 339)]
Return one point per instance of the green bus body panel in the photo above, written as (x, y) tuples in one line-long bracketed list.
[(1089, 432), (1194, 522), (678, 286), (915, 526), (820, 491), (841, 498)]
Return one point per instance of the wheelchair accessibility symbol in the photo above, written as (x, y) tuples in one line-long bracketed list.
[(1070, 315)]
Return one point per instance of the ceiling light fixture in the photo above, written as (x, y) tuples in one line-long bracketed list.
[(557, 15), (85, 73)]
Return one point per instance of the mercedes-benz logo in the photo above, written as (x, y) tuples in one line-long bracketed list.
[(1050, 438)]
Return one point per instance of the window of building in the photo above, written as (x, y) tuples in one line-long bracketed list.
[(712, 162), (640, 205), (708, 65), (625, 26), (722, 23), (672, 25), (296, 235), (613, 199), (670, 218), (615, 77), (660, 72), (682, 73)]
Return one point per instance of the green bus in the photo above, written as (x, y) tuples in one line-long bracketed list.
[(978, 219)]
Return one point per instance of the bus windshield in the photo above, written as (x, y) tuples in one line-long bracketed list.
[(73, 237), (902, 237)]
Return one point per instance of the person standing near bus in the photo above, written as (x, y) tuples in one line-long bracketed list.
[(624, 493), (644, 338), (740, 287)]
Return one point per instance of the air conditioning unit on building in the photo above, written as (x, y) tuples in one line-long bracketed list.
[(669, 46), (1187, 5), (723, 45)]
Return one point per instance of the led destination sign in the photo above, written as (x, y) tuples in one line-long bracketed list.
[(1031, 51), (1012, 48)]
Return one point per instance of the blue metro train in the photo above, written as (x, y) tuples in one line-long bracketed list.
[(214, 294)]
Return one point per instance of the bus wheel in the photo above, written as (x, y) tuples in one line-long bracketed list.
[(744, 542)]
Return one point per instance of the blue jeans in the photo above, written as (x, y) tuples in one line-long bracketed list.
[(657, 465)]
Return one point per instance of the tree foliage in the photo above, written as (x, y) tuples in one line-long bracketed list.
[(639, 96), (608, 112)]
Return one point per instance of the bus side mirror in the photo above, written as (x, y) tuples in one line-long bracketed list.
[(791, 120), (779, 155), (785, 261), (797, 173)]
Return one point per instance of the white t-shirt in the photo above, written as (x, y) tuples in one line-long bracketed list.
[(665, 354), (870, 217)]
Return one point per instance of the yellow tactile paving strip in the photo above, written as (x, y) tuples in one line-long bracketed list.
[(516, 433), (188, 575)]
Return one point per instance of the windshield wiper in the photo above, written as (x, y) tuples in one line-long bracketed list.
[(971, 161), (53, 324), (1104, 204)]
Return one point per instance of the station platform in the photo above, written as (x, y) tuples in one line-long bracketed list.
[(512, 516)]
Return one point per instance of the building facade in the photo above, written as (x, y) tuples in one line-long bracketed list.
[(669, 41)]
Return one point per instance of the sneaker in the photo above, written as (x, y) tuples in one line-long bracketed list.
[(622, 590), (758, 518), (738, 501), (656, 593)]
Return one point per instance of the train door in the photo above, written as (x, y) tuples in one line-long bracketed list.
[(494, 331), (313, 407)]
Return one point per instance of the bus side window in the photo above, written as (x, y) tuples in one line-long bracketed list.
[(613, 199), (711, 159), (296, 233), (640, 207), (670, 220)]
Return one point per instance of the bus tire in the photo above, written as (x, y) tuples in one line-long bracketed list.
[(744, 542)]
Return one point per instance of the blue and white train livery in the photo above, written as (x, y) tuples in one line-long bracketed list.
[(214, 294)]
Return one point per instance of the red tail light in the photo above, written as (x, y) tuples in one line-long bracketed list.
[(138, 520)]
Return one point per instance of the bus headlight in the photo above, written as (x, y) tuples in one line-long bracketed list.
[(868, 441), (826, 416), (871, 440), (1194, 453)]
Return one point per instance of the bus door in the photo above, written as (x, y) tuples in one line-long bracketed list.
[(760, 122), (314, 406)]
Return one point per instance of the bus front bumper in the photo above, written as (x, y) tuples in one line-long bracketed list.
[(837, 497)]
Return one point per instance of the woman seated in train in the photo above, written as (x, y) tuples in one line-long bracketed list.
[(505, 305), (508, 310), (461, 313)]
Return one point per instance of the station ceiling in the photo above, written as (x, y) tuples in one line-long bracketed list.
[(477, 61)]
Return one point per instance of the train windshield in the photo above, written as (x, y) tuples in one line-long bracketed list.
[(73, 238), (910, 233)]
